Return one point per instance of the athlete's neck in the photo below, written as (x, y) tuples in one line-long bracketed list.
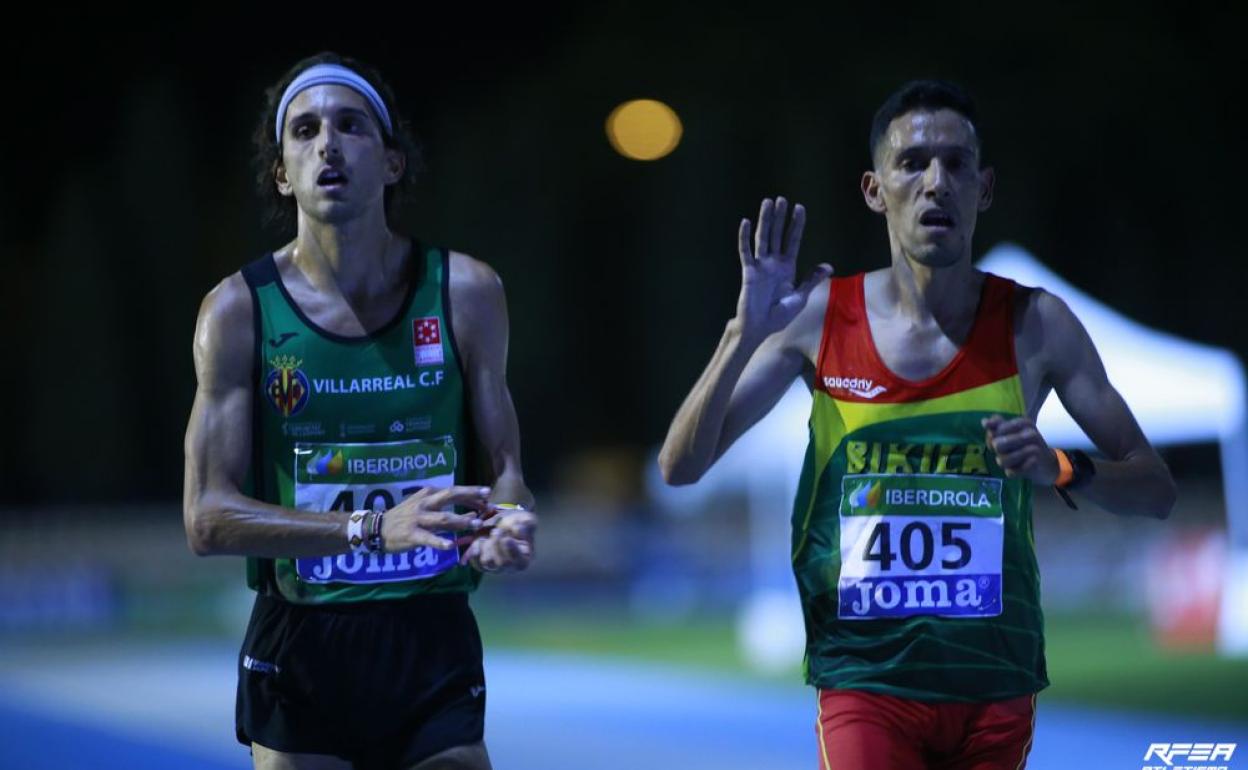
[(947, 295), (361, 258)]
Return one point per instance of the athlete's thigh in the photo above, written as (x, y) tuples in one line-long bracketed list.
[(267, 759), (470, 757), (864, 731), (998, 738)]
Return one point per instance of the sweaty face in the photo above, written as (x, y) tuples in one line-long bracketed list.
[(930, 186), (334, 161)]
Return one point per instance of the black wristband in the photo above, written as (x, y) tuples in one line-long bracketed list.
[(1082, 469), (1082, 466)]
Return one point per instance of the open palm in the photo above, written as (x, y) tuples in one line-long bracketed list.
[(770, 296)]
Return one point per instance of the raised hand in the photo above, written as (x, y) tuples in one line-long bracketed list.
[(770, 296)]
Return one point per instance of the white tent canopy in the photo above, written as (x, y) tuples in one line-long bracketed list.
[(1181, 392)]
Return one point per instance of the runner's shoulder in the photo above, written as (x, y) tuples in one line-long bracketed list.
[(1046, 330), (228, 306), (224, 333), (478, 306), (471, 274), (1041, 310)]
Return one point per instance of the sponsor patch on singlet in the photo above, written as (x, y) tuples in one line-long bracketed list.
[(374, 476), (919, 544)]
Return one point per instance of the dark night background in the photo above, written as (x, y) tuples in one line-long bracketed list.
[(1117, 141)]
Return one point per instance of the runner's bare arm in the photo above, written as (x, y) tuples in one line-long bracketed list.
[(1133, 479), (738, 388), (759, 354), (479, 319), (219, 517)]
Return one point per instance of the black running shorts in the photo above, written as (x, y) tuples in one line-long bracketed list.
[(381, 683)]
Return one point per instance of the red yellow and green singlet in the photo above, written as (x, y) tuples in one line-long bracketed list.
[(913, 553)]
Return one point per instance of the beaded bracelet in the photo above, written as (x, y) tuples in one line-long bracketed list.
[(374, 542)]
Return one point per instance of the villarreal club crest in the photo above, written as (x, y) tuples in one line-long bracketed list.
[(286, 386)]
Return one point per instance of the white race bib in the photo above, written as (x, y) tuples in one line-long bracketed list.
[(920, 544), (376, 476)]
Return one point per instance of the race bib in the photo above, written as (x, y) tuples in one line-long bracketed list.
[(920, 545), (349, 477)]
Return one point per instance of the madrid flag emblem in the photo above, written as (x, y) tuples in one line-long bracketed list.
[(427, 341)]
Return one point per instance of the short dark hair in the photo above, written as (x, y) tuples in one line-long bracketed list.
[(928, 95), (280, 210)]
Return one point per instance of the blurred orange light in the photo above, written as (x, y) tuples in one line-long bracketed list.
[(643, 129)]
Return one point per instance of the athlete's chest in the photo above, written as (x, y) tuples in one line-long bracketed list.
[(338, 317), (400, 377), (914, 351), (917, 354)]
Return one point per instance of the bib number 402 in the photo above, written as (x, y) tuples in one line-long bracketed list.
[(916, 545)]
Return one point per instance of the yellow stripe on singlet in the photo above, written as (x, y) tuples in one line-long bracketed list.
[(832, 419), (823, 746)]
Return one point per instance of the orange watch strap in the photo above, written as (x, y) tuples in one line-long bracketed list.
[(1065, 470)]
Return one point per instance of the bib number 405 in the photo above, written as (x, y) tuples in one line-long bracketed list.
[(915, 545)]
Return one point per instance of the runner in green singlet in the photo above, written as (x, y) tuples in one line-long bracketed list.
[(352, 393)]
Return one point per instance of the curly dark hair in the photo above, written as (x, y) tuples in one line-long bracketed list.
[(281, 211)]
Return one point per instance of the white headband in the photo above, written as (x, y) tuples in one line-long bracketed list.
[(337, 75)]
